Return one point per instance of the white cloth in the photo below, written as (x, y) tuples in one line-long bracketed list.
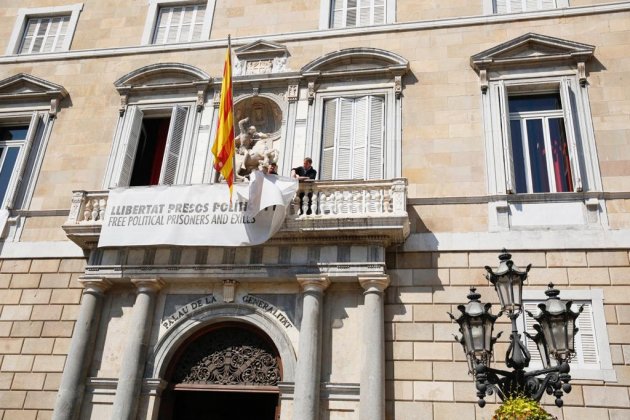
[(197, 215)]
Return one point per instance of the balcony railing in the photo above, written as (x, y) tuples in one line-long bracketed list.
[(321, 210)]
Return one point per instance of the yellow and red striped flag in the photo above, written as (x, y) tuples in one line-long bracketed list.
[(223, 147)]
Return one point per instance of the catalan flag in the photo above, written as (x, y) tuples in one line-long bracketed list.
[(223, 147)]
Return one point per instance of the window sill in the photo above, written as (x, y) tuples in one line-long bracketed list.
[(574, 210)]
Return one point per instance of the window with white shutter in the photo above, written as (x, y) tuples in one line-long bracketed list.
[(44, 29), (351, 13), (179, 24), (151, 145), (592, 359), (518, 6), (44, 34), (352, 138)]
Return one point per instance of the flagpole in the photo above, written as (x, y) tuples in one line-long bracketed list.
[(232, 87)]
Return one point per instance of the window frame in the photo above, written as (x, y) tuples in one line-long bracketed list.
[(153, 13), (391, 120), (605, 370), (489, 7), (23, 16), (352, 147), (577, 120), (326, 15), (119, 160)]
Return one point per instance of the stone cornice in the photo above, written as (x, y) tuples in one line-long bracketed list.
[(326, 34)]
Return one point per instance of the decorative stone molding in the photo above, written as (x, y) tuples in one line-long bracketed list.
[(164, 78), (483, 80), (161, 357), (95, 286), (24, 87), (532, 50), (313, 283), (374, 284), (398, 86), (229, 288), (148, 285), (311, 92), (260, 57), (293, 92)]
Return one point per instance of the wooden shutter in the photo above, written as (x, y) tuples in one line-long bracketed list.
[(379, 12), (572, 128), (548, 4), (502, 100), (328, 139), (343, 155), (528, 324), (358, 156), (173, 145), (376, 135), (35, 130), (500, 6), (585, 340), (337, 14), (531, 5), (130, 136)]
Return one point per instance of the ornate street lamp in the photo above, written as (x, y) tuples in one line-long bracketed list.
[(555, 339)]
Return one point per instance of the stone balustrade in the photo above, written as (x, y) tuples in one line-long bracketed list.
[(321, 209)]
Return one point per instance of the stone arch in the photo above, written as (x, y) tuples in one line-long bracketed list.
[(357, 59), (168, 345), (163, 74)]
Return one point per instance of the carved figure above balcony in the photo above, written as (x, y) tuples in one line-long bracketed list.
[(259, 124)]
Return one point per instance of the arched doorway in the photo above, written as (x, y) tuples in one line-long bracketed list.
[(226, 371)]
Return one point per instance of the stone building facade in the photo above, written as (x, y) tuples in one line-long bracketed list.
[(442, 132)]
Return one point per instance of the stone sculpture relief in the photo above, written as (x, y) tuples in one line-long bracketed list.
[(259, 122)]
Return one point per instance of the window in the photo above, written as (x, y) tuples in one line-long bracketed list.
[(353, 13), (151, 147), (179, 24), (160, 127), (177, 21), (540, 143), (592, 359), (44, 34), (518, 6), (44, 30), (540, 149), (352, 143), (12, 139), (28, 107), (353, 129), (348, 13)]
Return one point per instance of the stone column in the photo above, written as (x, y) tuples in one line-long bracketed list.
[(372, 394), (306, 394), (72, 386), (132, 366)]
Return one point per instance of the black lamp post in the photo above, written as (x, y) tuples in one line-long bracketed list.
[(555, 339)]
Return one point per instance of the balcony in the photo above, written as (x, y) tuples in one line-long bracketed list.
[(322, 212)]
